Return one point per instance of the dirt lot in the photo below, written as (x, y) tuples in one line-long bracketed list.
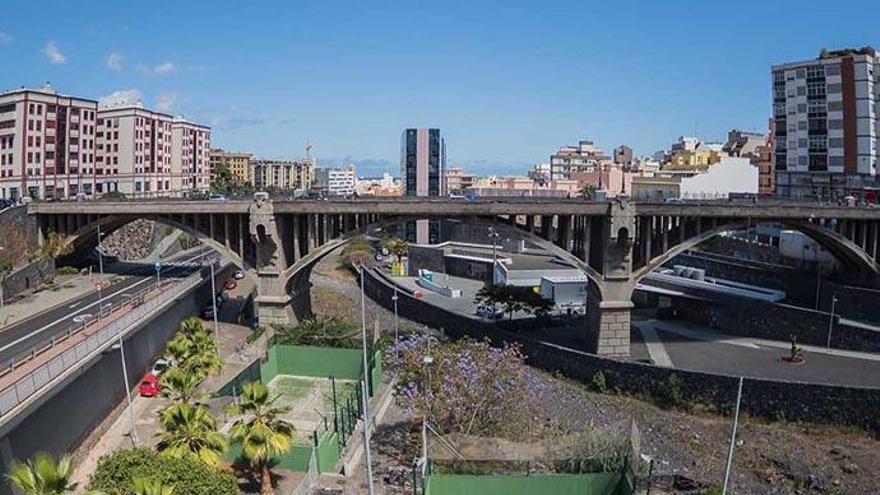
[(770, 458)]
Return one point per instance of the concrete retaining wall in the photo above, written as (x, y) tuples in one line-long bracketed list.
[(28, 278), (61, 423), (767, 398)]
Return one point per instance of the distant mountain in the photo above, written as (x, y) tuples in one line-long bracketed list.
[(375, 167)]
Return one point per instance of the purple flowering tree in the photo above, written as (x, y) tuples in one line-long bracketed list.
[(464, 386)]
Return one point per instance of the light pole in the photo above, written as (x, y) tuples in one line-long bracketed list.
[(818, 285), (494, 235), (831, 322), (732, 436), (396, 318), (366, 410), (214, 303), (131, 433), (158, 266)]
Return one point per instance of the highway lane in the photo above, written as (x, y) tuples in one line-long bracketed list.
[(19, 339)]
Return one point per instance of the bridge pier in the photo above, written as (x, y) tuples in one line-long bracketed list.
[(608, 321)]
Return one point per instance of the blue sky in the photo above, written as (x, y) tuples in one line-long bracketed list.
[(508, 82)]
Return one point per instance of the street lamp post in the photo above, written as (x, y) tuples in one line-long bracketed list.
[(366, 395), (494, 235), (132, 432), (396, 317), (214, 303), (831, 322)]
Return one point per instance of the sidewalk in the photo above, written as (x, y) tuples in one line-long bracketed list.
[(146, 409), (66, 288)]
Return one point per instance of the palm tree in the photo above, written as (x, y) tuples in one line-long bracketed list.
[(191, 325), (151, 486), (181, 385), (398, 248), (178, 349), (42, 475), (261, 432), (190, 431)]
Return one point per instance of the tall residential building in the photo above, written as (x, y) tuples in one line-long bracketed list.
[(190, 145), (422, 171), (134, 152), (827, 124), (238, 164), (458, 180), (584, 157), (336, 181), (47, 144)]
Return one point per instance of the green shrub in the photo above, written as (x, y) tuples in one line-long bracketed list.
[(329, 331), (66, 270), (598, 384), (116, 471), (675, 394)]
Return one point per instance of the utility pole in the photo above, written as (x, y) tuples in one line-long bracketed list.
[(831, 322)]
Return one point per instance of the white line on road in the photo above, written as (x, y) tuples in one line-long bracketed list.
[(655, 346), (75, 304)]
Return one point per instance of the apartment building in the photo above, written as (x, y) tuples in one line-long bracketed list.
[(827, 123), (135, 152), (238, 164), (190, 145), (457, 180), (584, 157), (282, 174), (763, 159), (336, 181), (623, 156), (47, 144)]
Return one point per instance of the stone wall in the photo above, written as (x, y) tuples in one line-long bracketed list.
[(794, 401), (28, 278), (19, 235), (425, 258)]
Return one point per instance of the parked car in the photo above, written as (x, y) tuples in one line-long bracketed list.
[(208, 312), (238, 275), (150, 386), (230, 284), (485, 311), (160, 366)]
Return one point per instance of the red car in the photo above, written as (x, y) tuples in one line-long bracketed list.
[(150, 386), (230, 284)]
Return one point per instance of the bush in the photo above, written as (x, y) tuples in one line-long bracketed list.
[(66, 270), (675, 394), (116, 471), (598, 384)]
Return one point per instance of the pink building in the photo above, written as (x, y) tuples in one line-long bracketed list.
[(609, 178)]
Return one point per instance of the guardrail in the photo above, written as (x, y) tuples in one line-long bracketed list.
[(58, 354)]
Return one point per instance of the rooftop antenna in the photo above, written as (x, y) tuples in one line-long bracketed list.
[(308, 151)]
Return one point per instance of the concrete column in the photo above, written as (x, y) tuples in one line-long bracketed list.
[(310, 233), (530, 223), (211, 226), (546, 220), (241, 219), (295, 220), (608, 323), (587, 238), (227, 234), (664, 226)]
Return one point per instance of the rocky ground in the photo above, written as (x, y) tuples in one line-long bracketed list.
[(689, 448)]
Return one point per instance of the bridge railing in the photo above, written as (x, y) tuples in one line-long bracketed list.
[(29, 372)]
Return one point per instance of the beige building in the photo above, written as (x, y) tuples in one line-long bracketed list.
[(238, 164), (283, 174), (134, 149), (458, 180), (47, 144), (190, 145)]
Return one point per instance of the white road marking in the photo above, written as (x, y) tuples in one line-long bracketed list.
[(655, 346)]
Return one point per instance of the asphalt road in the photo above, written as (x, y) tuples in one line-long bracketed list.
[(17, 340)]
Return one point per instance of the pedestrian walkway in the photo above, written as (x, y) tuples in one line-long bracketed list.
[(236, 355), (65, 289)]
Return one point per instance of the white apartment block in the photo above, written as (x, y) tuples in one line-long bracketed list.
[(47, 144), (134, 152), (190, 147), (827, 121), (336, 181), (283, 174)]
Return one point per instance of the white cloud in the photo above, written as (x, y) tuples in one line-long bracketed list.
[(123, 97), (53, 53), (162, 69), (166, 101), (5, 39), (114, 61)]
